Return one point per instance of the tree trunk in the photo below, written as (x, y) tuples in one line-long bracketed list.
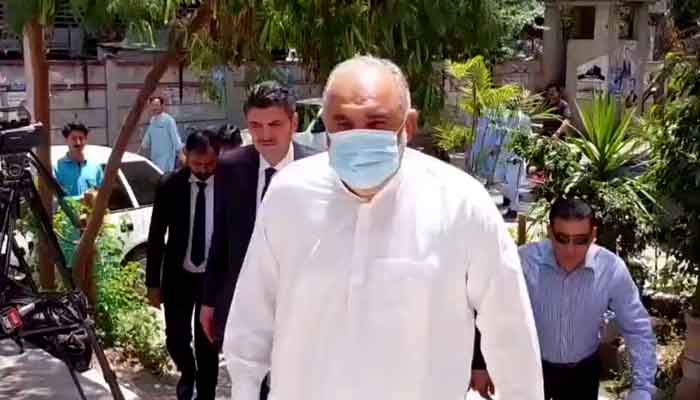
[(37, 71), (695, 301), (82, 267)]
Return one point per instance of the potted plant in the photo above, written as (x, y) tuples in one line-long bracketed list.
[(673, 127), (454, 139), (479, 95), (597, 164)]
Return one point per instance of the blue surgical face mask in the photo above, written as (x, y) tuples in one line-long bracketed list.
[(365, 158)]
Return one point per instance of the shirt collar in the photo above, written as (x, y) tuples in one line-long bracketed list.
[(283, 162), (67, 159), (194, 179), (551, 261)]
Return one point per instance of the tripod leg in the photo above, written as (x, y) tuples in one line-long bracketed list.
[(109, 375), (76, 382), (24, 267), (48, 234)]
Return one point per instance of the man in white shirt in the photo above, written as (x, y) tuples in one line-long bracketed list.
[(184, 209), (367, 264)]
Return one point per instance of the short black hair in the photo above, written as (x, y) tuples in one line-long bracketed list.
[(230, 135), (201, 140), (553, 85), (154, 98), (571, 209), (74, 126), (271, 94)]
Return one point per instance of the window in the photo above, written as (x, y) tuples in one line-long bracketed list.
[(119, 199), (307, 114), (584, 22), (318, 126), (143, 179)]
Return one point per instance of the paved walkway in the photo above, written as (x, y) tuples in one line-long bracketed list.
[(35, 375)]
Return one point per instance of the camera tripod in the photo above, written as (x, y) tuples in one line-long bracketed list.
[(65, 328)]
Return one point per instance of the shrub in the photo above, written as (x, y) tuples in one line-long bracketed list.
[(122, 317)]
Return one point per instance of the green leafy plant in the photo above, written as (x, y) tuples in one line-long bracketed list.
[(675, 142), (122, 317), (597, 166), (477, 96), (453, 137), (607, 143), (478, 92)]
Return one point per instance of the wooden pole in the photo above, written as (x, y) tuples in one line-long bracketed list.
[(37, 77), (82, 267), (522, 229)]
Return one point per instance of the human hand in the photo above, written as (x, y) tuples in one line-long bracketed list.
[(206, 319), (481, 383), (154, 297)]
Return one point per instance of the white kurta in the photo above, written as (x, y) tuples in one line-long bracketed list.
[(346, 300)]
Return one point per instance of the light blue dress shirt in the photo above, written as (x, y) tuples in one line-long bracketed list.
[(163, 141), (77, 178), (569, 309)]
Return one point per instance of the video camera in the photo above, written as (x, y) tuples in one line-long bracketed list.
[(17, 139), (58, 323)]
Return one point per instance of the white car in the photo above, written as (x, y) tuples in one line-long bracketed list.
[(131, 202)]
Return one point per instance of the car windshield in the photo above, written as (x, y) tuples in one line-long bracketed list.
[(119, 199), (307, 113), (143, 179)]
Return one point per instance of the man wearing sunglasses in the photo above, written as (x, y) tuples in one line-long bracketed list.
[(572, 282)]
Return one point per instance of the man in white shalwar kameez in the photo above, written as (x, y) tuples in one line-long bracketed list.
[(368, 262)]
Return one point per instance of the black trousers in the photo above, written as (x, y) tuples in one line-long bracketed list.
[(579, 381), (202, 367)]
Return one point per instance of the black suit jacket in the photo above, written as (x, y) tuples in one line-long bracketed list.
[(171, 214), (235, 206)]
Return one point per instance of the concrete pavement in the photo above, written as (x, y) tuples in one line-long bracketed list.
[(37, 375)]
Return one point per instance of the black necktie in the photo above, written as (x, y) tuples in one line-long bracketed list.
[(269, 172), (199, 227)]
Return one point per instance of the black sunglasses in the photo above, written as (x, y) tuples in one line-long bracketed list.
[(576, 240)]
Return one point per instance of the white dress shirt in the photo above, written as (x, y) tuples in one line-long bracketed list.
[(208, 221), (346, 299), (265, 165)]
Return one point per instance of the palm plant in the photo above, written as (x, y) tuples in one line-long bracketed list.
[(477, 88), (478, 95), (597, 166), (607, 144)]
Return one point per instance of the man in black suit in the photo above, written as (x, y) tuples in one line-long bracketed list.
[(184, 208), (242, 178)]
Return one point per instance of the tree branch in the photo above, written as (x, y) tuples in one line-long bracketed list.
[(82, 267)]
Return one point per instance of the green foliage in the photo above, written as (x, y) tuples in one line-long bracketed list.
[(453, 137), (596, 166), (21, 12), (122, 317), (686, 15), (669, 353), (478, 93), (417, 35), (675, 133), (139, 18), (515, 15), (607, 143)]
